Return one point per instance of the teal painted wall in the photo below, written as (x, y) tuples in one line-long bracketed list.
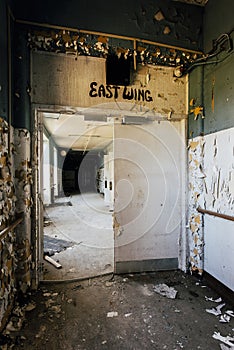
[(21, 85), (212, 85), (4, 108), (134, 18), (218, 19)]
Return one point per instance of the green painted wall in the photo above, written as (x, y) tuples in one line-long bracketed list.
[(3, 61), (212, 84), (21, 85), (134, 18)]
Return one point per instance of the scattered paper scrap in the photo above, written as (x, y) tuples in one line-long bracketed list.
[(226, 340), (129, 314), (224, 347), (230, 313), (216, 310), (214, 300), (112, 314), (165, 290), (224, 318)]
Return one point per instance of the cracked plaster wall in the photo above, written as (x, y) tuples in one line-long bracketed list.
[(15, 199), (23, 181), (8, 258), (211, 186)]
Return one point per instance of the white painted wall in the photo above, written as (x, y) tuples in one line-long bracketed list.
[(149, 187), (219, 249), (46, 171), (109, 179), (218, 196), (55, 172)]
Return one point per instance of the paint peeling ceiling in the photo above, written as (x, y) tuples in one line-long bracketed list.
[(78, 132), (194, 2)]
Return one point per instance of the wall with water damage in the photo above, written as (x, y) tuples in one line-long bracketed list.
[(210, 150)]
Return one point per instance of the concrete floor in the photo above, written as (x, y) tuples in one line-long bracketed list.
[(74, 316), (86, 225)]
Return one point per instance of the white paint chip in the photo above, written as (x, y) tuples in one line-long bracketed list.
[(226, 340), (230, 313), (224, 318), (112, 314), (216, 310), (214, 300)]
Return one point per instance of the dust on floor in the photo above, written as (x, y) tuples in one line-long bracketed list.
[(122, 312)]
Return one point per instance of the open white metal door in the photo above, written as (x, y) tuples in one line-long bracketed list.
[(149, 164)]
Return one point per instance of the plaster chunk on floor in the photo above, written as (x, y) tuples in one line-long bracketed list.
[(165, 290)]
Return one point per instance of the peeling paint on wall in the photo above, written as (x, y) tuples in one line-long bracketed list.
[(219, 170), (196, 186), (7, 274), (211, 187), (81, 44), (23, 182), (7, 212), (7, 195)]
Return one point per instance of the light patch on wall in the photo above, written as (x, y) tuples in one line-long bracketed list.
[(159, 16)]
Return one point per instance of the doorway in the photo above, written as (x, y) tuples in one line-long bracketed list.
[(77, 196)]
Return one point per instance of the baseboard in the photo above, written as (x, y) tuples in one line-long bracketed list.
[(226, 293), (149, 265)]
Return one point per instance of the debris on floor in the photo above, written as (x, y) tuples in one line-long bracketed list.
[(91, 314), (112, 314), (54, 245), (165, 291), (53, 262), (226, 340), (224, 347), (224, 318), (216, 310), (218, 300)]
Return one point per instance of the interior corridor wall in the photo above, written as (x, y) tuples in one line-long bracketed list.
[(210, 154)]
